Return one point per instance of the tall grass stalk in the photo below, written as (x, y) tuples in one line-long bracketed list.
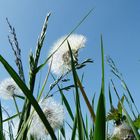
[(100, 123)]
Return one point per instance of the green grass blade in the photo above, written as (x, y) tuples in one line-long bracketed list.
[(78, 83), (129, 93), (87, 127), (66, 104), (73, 136), (85, 131), (99, 133), (44, 84), (16, 106), (28, 94), (137, 122), (110, 98), (1, 124), (80, 127), (130, 106), (86, 99), (12, 117), (100, 122), (65, 101), (116, 72), (63, 132)]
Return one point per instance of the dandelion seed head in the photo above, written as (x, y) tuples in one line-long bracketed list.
[(54, 113), (61, 60), (8, 88), (122, 131)]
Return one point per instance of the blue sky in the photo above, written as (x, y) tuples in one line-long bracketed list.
[(117, 20)]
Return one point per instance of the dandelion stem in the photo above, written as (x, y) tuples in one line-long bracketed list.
[(15, 102)]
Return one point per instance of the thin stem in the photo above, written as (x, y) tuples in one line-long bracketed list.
[(15, 102)]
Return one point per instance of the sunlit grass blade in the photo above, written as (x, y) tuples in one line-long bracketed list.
[(100, 122), (28, 94)]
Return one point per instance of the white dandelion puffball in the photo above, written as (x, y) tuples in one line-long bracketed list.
[(122, 131), (54, 113), (61, 60), (8, 88)]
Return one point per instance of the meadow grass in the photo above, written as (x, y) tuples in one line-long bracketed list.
[(83, 126)]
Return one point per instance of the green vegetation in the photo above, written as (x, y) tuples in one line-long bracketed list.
[(91, 126)]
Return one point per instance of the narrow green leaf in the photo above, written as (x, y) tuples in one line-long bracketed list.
[(85, 131), (63, 132), (100, 122), (116, 72), (120, 106), (86, 99), (28, 94), (130, 105), (66, 104), (73, 136), (137, 122), (12, 117), (110, 97), (129, 93), (80, 127)]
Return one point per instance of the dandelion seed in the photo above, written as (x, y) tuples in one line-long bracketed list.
[(61, 60), (123, 132), (8, 88), (54, 113)]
